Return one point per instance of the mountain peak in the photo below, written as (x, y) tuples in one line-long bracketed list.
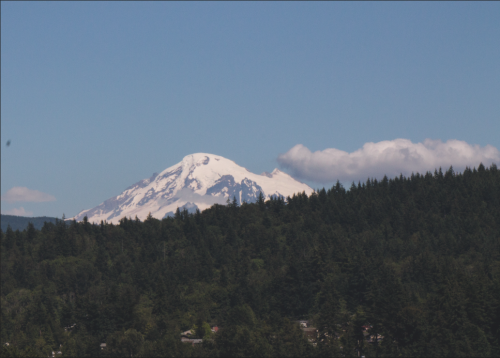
[(198, 157), (197, 182)]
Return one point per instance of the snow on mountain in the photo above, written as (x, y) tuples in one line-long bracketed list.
[(197, 182)]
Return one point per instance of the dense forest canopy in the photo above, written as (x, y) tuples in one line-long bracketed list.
[(416, 260)]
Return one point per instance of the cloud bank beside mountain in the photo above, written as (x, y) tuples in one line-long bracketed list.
[(391, 158)]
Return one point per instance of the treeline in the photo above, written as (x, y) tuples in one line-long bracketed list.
[(416, 259), (21, 222)]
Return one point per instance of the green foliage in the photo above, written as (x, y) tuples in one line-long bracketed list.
[(416, 259)]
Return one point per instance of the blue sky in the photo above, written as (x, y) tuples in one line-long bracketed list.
[(96, 96)]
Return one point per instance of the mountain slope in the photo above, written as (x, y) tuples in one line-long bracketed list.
[(197, 182)]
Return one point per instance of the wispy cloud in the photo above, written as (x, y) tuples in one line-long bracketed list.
[(19, 193), (17, 212), (391, 158)]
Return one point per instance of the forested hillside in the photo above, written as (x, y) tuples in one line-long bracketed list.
[(417, 260), (21, 222)]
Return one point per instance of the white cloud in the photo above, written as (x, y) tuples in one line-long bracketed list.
[(19, 193), (391, 158), (17, 212)]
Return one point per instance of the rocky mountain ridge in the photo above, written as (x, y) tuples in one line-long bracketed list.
[(197, 182)]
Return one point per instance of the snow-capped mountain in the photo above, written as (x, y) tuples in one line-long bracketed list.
[(198, 181)]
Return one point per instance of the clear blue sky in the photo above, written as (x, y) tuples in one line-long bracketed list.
[(96, 96)]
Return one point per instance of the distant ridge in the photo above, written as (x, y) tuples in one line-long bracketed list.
[(196, 183), (21, 222)]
